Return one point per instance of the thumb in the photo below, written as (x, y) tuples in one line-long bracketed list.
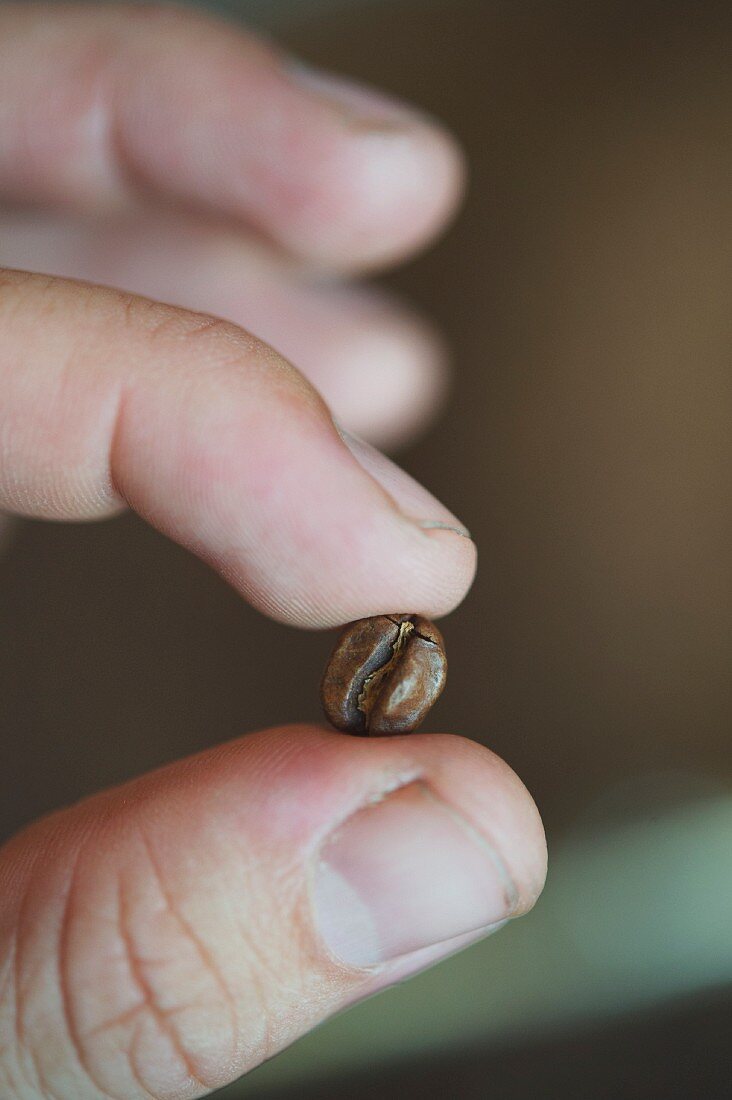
[(162, 938)]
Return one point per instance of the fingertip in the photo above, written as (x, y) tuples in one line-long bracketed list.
[(394, 176), (456, 558), (414, 501), (490, 795), (386, 193), (337, 775), (384, 378)]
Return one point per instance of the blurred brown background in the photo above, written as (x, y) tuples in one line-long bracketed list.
[(587, 444)]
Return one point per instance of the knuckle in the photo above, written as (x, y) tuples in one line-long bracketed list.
[(125, 999), (30, 1036), (143, 315), (214, 354), (165, 325), (173, 1016)]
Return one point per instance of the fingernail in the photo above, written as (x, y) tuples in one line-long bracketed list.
[(405, 874), (412, 499), (436, 525), (358, 104)]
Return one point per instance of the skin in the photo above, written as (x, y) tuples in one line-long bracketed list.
[(132, 132)]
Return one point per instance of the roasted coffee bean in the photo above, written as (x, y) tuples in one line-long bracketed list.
[(384, 675)]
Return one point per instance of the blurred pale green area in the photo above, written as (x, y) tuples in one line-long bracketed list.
[(633, 915)]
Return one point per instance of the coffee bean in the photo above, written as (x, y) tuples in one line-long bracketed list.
[(384, 675)]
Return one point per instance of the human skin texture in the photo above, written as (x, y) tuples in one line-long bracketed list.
[(162, 938)]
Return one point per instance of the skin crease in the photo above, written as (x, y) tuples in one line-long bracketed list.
[(161, 938)]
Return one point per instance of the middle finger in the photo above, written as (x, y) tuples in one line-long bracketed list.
[(379, 366)]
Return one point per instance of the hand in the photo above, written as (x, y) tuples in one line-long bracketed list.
[(161, 938)]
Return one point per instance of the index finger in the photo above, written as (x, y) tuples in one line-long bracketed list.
[(107, 401)]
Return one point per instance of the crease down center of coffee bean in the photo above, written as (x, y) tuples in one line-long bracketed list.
[(370, 689)]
